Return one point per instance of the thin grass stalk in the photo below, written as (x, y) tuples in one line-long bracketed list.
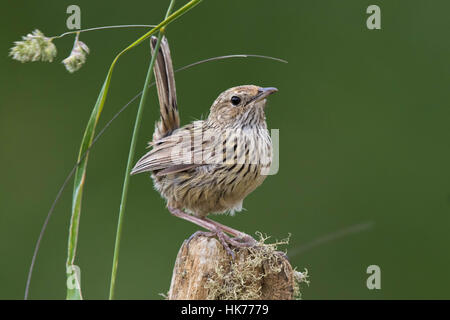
[(126, 181), (74, 291)]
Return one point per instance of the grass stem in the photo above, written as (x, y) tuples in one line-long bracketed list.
[(131, 153)]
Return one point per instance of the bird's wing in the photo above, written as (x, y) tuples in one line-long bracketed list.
[(187, 147)]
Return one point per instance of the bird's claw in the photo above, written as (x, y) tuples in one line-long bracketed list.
[(245, 240), (242, 241)]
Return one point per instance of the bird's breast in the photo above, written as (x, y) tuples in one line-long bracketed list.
[(237, 169)]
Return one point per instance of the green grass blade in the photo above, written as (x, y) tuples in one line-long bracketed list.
[(130, 161), (80, 174)]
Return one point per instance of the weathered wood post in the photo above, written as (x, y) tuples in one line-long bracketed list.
[(204, 270)]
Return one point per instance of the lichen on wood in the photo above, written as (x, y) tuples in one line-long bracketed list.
[(204, 270)]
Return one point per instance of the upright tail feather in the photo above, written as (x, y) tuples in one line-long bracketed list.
[(167, 95)]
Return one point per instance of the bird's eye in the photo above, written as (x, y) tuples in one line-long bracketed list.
[(235, 100)]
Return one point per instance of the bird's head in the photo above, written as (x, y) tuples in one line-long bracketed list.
[(240, 106)]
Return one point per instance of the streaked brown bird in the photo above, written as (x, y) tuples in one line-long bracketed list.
[(208, 166)]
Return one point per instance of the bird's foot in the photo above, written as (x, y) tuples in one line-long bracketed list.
[(200, 233), (225, 240), (240, 239), (243, 241)]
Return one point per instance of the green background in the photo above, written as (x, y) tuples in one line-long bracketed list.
[(364, 143)]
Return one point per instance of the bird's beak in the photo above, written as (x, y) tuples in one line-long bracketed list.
[(264, 92)]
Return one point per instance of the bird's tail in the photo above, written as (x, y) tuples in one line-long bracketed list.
[(167, 94)]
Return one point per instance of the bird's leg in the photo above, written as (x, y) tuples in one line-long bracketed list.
[(225, 228), (198, 221), (242, 239), (223, 238)]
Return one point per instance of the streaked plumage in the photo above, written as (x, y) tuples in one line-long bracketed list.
[(208, 166)]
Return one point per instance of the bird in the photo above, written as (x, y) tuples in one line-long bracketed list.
[(208, 166)]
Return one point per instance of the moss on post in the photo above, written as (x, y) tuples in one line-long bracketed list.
[(203, 270)]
